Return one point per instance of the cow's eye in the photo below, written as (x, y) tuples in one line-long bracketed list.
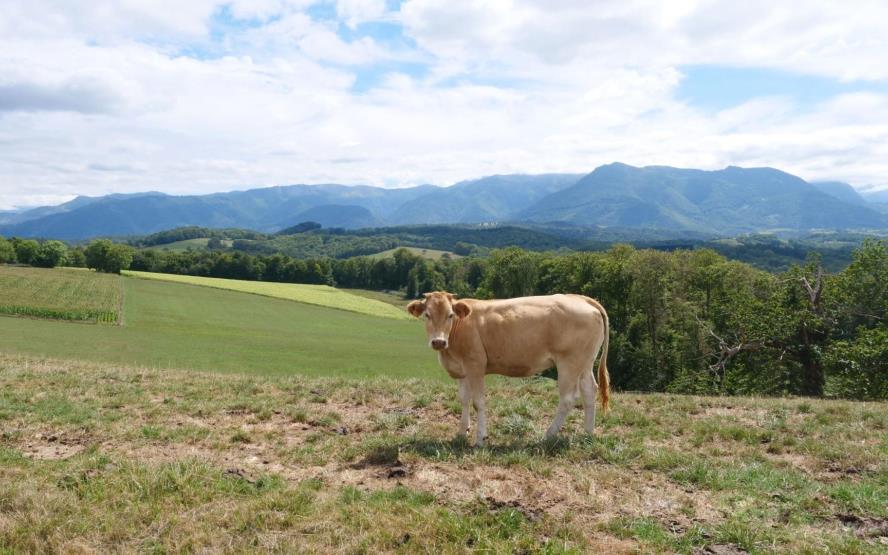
[(450, 315), (425, 315)]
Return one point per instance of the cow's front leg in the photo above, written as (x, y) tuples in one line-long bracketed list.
[(465, 398), (476, 389)]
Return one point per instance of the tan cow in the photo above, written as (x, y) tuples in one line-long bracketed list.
[(519, 338)]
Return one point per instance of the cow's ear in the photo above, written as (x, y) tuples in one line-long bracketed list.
[(416, 308), (462, 309)]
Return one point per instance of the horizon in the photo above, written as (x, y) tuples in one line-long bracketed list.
[(226, 95)]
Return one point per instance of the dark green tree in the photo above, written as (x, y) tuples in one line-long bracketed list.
[(25, 250), (50, 254)]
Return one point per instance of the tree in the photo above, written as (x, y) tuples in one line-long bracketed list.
[(76, 258), (859, 368), (512, 272), (26, 250), (50, 254), (105, 256), (7, 251)]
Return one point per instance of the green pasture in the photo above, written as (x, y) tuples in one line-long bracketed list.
[(322, 295), (61, 294), (175, 325), (199, 243), (431, 254)]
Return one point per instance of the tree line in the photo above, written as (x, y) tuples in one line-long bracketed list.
[(102, 254)]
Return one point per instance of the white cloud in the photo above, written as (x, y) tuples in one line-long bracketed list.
[(138, 95), (355, 12)]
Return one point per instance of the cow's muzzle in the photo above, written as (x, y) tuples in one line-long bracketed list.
[(438, 344)]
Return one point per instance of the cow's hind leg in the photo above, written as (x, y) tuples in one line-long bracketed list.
[(587, 388), (568, 378)]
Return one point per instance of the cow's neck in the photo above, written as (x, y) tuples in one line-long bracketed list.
[(453, 330)]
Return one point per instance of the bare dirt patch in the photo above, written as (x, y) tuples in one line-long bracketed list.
[(865, 527), (48, 446)]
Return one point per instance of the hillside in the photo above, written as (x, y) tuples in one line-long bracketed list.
[(103, 458), (266, 209), (491, 199), (204, 328), (320, 295), (729, 201), (658, 198), (841, 191)]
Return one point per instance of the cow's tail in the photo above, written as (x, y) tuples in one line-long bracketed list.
[(603, 376)]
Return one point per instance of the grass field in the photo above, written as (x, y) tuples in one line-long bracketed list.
[(194, 327), (392, 298), (321, 295), (60, 294), (431, 254), (199, 243), (106, 458)]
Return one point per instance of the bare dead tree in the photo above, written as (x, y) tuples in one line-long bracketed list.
[(814, 291), (726, 351)]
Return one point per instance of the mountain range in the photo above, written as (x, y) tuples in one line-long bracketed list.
[(723, 202)]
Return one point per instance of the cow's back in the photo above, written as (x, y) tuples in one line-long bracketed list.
[(525, 335)]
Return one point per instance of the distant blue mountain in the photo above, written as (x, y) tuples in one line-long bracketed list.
[(728, 201), (841, 191)]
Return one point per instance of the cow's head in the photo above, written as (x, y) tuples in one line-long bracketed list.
[(441, 313)]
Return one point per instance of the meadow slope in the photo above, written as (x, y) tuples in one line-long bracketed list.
[(174, 325), (108, 458), (320, 295)]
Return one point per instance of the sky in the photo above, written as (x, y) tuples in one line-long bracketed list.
[(194, 97)]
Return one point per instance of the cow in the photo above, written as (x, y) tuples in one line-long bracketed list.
[(519, 338)]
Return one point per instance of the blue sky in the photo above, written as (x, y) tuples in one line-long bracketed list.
[(214, 95), (713, 87)]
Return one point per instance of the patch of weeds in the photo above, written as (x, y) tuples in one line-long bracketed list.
[(326, 420), (653, 533), (350, 495), (453, 406), (381, 452), (152, 432), (391, 421), (752, 536), (317, 397), (516, 425), (10, 456), (263, 414), (421, 401), (312, 484), (297, 414), (867, 497), (611, 449), (664, 459), (440, 450), (401, 494), (240, 436)]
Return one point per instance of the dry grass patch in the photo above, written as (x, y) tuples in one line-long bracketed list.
[(105, 458)]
